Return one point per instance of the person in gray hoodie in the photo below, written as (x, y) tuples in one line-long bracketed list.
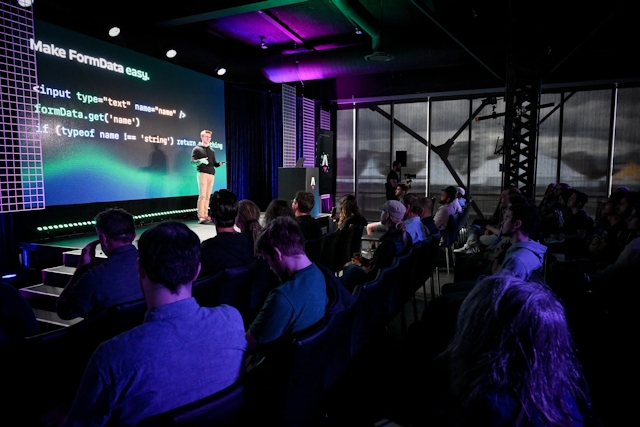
[(525, 257)]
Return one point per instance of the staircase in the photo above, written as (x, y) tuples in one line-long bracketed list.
[(43, 296)]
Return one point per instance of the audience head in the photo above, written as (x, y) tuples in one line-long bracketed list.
[(393, 213), (506, 194), (115, 227), (561, 187), (521, 218), (633, 221), (448, 195), (550, 188), (622, 189), (609, 205), (627, 202), (280, 238), (348, 207), (577, 199), (461, 192), (224, 208), (303, 202), (169, 255), (427, 207), (413, 205), (401, 190), (512, 336), (278, 208), (248, 219)]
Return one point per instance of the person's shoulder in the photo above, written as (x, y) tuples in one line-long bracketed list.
[(228, 315)]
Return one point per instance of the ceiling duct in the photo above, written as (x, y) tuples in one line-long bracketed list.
[(356, 12)]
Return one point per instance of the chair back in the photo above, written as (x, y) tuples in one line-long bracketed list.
[(206, 289), (356, 239), (366, 295), (235, 288), (128, 315), (313, 249), (342, 252), (399, 284), (451, 230), (264, 281), (330, 247), (221, 409)]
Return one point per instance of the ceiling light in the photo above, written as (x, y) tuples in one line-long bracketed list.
[(262, 44), (221, 71), (171, 53), (25, 3), (379, 57), (114, 32), (358, 31)]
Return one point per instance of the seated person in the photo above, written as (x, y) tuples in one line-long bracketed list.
[(401, 191), (181, 353), (95, 286), (228, 248), (426, 217), (302, 204), (301, 300), (278, 207), (518, 324), (607, 244), (460, 195), (350, 213), (394, 242), (448, 208), (248, 219), (416, 229)]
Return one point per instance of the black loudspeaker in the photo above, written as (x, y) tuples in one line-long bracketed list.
[(401, 156)]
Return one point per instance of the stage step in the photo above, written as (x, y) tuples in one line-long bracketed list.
[(41, 296), (70, 258), (57, 276), (51, 318)]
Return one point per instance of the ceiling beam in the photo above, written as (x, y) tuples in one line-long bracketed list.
[(270, 18), (208, 16)]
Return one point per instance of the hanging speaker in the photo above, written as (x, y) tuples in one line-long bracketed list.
[(401, 156)]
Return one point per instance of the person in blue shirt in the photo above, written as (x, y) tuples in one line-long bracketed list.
[(181, 353)]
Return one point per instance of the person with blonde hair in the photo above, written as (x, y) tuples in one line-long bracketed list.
[(350, 213)]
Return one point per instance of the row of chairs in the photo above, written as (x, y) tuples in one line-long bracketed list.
[(319, 357), (452, 231)]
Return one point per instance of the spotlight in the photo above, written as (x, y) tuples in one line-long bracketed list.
[(221, 71), (171, 53), (114, 32), (262, 43), (358, 31), (25, 3)]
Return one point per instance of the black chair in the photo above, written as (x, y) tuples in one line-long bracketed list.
[(398, 290), (264, 281), (222, 409), (206, 289), (356, 239), (366, 295), (128, 315), (450, 237), (235, 288), (329, 248), (313, 249), (342, 251)]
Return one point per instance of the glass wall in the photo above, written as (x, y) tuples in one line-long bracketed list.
[(574, 143)]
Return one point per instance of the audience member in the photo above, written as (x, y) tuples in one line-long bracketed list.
[(302, 204), (415, 228), (96, 285), (606, 245), (401, 190), (181, 353), (394, 242), (277, 208), (248, 219), (350, 213), (525, 256), (393, 179), (454, 201), (447, 209), (228, 248), (300, 301), (426, 217), (579, 223), (512, 361)]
